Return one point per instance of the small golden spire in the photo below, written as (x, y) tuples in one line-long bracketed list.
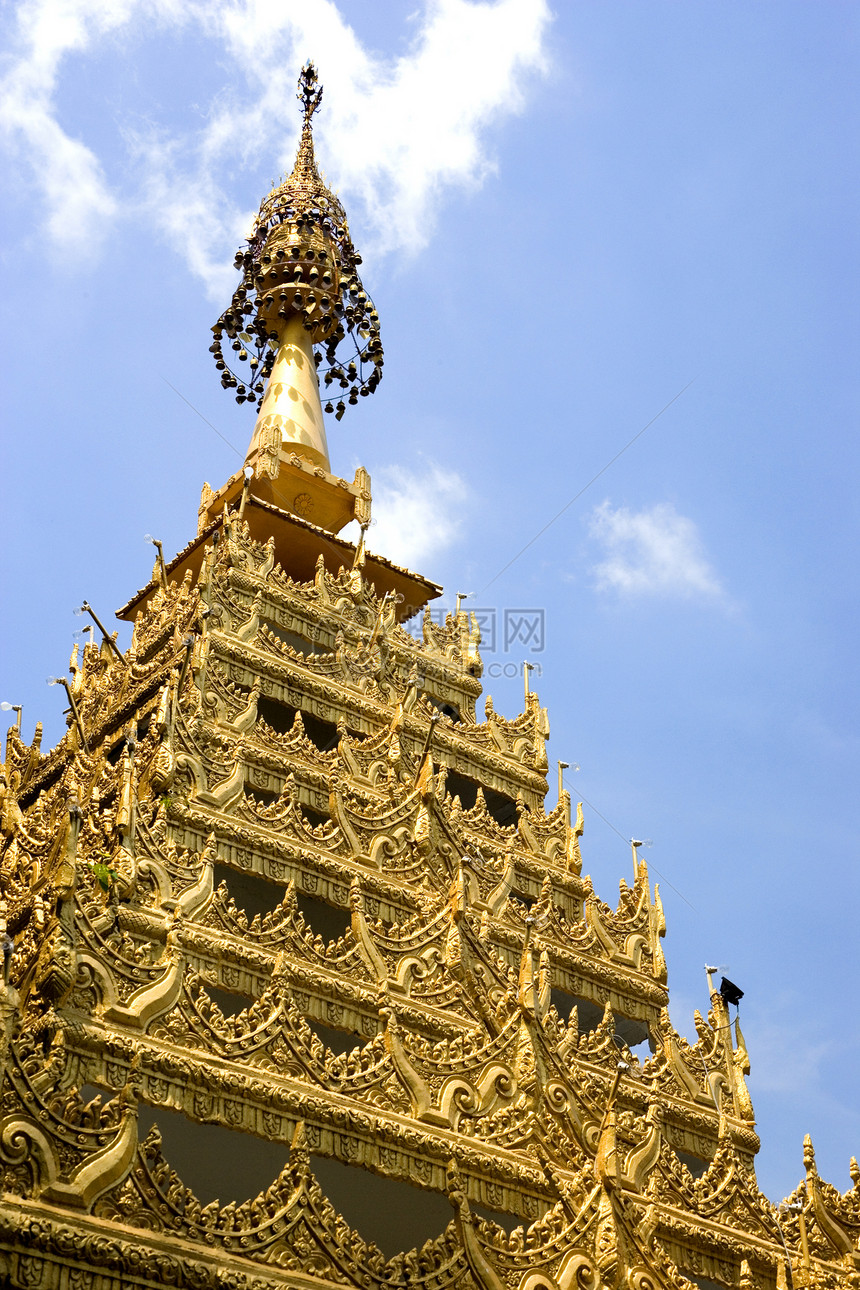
[(299, 299), (304, 184), (310, 97)]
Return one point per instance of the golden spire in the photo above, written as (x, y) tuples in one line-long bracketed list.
[(305, 167), (300, 299)]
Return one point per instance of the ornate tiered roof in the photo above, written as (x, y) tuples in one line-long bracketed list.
[(279, 879)]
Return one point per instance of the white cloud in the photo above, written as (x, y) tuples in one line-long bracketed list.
[(76, 194), (653, 552), (416, 514), (394, 134)]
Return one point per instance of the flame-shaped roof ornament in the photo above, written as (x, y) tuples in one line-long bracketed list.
[(300, 296)]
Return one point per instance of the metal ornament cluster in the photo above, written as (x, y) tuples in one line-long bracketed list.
[(300, 262)]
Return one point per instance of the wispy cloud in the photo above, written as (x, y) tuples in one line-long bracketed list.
[(76, 194), (417, 513), (395, 134), (653, 552), (785, 1061)]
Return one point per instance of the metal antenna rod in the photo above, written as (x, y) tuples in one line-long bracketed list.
[(76, 716), (86, 608)]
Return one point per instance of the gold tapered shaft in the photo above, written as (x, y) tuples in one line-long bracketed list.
[(291, 407)]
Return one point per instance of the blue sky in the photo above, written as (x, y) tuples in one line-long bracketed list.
[(568, 214)]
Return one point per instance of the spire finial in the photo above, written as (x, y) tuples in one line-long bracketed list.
[(309, 96), (299, 301)]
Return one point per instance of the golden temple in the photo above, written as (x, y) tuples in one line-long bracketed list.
[(282, 916)]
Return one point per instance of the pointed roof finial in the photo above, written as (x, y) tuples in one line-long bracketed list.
[(310, 96), (299, 271)]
